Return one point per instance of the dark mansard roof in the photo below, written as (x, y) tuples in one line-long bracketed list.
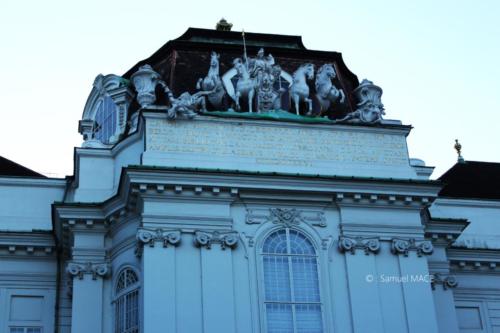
[(472, 180), (10, 168), (182, 61)]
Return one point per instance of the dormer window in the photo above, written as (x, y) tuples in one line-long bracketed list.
[(105, 121)]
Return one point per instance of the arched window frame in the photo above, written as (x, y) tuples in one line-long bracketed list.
[(264, 235), (120, 296), (117, 89)]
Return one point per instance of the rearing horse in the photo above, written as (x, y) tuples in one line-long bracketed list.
[(326, 92), (245, 86), (212, 82), (299, 90)]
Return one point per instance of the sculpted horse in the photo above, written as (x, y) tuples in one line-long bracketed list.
[(299, 90), (326, 92), (212, 82), (245, 86)]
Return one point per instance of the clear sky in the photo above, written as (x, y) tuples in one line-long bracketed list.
[(437, 61)]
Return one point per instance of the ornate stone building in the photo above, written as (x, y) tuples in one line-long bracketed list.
[(242, 183)]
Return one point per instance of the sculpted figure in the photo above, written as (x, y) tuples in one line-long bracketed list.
[(250, 74), (299, 90), (245, 86), (326, 92), (213, 83), (369, 108), (267, 97), (186, 105)]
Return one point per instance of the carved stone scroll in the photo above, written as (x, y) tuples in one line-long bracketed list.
[(207, 238), (150, 236), (285, 216), (403, 246), (350, 244), (76, 269)]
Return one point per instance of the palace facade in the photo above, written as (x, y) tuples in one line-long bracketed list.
[(242, 183)]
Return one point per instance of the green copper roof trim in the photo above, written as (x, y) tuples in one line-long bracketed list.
[(277, 115)]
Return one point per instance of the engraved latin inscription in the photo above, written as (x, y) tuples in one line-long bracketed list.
[(279, 145)]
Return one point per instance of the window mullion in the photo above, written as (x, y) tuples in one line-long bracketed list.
[(290, 277)]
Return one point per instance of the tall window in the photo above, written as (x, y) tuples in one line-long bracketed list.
[(127, 302), (291, 287), (106, 120)]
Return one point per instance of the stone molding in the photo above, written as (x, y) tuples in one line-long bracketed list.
[(205, 239), (403, 246), (350, 244), (151, 236), (285, 216), (78, 269), (448, 281)]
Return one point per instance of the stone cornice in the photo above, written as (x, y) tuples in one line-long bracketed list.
[(474, 260), (79, 269), (444, 231), (478, 203), (33, 182), (26, 244)]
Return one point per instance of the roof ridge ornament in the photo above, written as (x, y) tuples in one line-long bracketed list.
[(223, 25), (458, 148)]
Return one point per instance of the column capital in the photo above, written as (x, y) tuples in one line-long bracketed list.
[(207, 238), (79, 269), (447, 281), (151, 236), (403, 246), (350, 244)]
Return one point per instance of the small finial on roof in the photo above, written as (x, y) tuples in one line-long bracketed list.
[(223, 25), (458, 148)]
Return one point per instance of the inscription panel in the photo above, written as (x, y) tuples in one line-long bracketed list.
[(322, 150)]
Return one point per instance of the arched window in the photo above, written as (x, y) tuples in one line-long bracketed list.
[(127, 302), (291, 287), (106, 120)]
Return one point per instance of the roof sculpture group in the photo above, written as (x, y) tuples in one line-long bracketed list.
[(261, 83)]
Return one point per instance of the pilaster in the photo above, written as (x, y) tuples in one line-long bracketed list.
[(157, 247)]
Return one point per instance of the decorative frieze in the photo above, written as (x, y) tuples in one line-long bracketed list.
[(207, 238), (446, 281), (95, 269), (285, 216), (151, 236), (403, 246), (350, 244)]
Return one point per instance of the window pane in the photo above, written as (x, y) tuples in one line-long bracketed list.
[(276, 243), (279, 318), (299, 244), (106, 120), (308, 318), (16, 330), (305, 279), (277, 278)]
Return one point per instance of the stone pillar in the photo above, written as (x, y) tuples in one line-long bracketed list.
[(419, 302), (217, 280), (87, 296), (362, 279), (157, 248)]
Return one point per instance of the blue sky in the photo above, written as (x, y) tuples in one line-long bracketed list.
[(437, 62)]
